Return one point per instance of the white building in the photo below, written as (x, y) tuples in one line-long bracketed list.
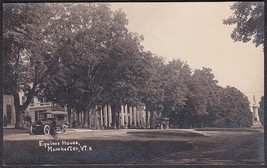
[(33, 110), (9, 109), (100, 117)]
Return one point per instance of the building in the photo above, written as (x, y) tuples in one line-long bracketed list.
[(38, 106), (33, 110), (98, 117), (9, 109)]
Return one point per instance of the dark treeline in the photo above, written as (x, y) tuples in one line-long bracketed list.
[(82, 55)]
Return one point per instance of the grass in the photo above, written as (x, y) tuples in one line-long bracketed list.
[(144, 147), (9, 131), (228, 129), (103, 152), (165, 133)]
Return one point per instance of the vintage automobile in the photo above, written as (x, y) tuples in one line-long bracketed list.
[(50, 122)]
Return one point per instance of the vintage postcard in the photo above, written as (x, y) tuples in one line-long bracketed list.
[(133, 83)]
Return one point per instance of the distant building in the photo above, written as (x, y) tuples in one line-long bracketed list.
[(33, 110)]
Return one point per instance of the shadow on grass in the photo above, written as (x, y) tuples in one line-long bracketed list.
[(9, 131), (229, 129), (166, 134), (103, 152)]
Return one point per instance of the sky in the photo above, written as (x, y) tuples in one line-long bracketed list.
[(195, 33)]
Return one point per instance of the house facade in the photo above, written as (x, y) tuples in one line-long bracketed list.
[(99, 117), (36, 106), (9, 109)]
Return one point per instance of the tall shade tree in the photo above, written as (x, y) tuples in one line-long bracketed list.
[(124, 76), (24, 50), (175, 76), (249, 20), (202, 90), (152, 92), (73, 33), (234, 109), (98, 60)]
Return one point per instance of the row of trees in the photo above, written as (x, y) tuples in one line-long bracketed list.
[(80, 55)]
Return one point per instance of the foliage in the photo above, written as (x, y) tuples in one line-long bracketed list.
[(174, 78), (234, 109), (261, 110), (82, 55), (98, 61), (202, 88), (249, 20), (152, 92), (24, 46), (124, 74)]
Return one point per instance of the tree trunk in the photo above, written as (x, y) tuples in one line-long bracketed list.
[(113, 116), (146, 118), (78, 116), (69, 116), (18, 111), (152, 119), (85, 118), (82, 118), (118, 109), (182, 120), (19, 119), (89, 117)]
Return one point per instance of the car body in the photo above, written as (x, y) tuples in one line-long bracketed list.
[(50, 122)]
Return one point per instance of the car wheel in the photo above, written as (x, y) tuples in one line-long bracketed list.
[(31, 130), (46, 129), (64, 129)]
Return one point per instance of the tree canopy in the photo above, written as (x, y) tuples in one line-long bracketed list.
[(24, 51), (249, 20), (82, 55)]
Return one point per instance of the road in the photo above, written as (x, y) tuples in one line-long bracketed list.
[(137, 147)]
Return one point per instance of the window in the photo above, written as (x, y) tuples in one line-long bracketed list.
[(9, 113)]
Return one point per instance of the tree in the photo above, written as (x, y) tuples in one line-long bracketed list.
[(261, 110), (202, 88), (175, 76), (249, 20), (84, 37), (98, 61), (233, 110), (124, 76), (24, 47), (152, 92)]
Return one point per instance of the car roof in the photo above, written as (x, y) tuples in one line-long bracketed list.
[(54, 112)]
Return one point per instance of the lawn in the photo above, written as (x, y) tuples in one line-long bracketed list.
[(143, 147), (10, 131)]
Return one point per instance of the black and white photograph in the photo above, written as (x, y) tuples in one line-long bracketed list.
[(133, 83)]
